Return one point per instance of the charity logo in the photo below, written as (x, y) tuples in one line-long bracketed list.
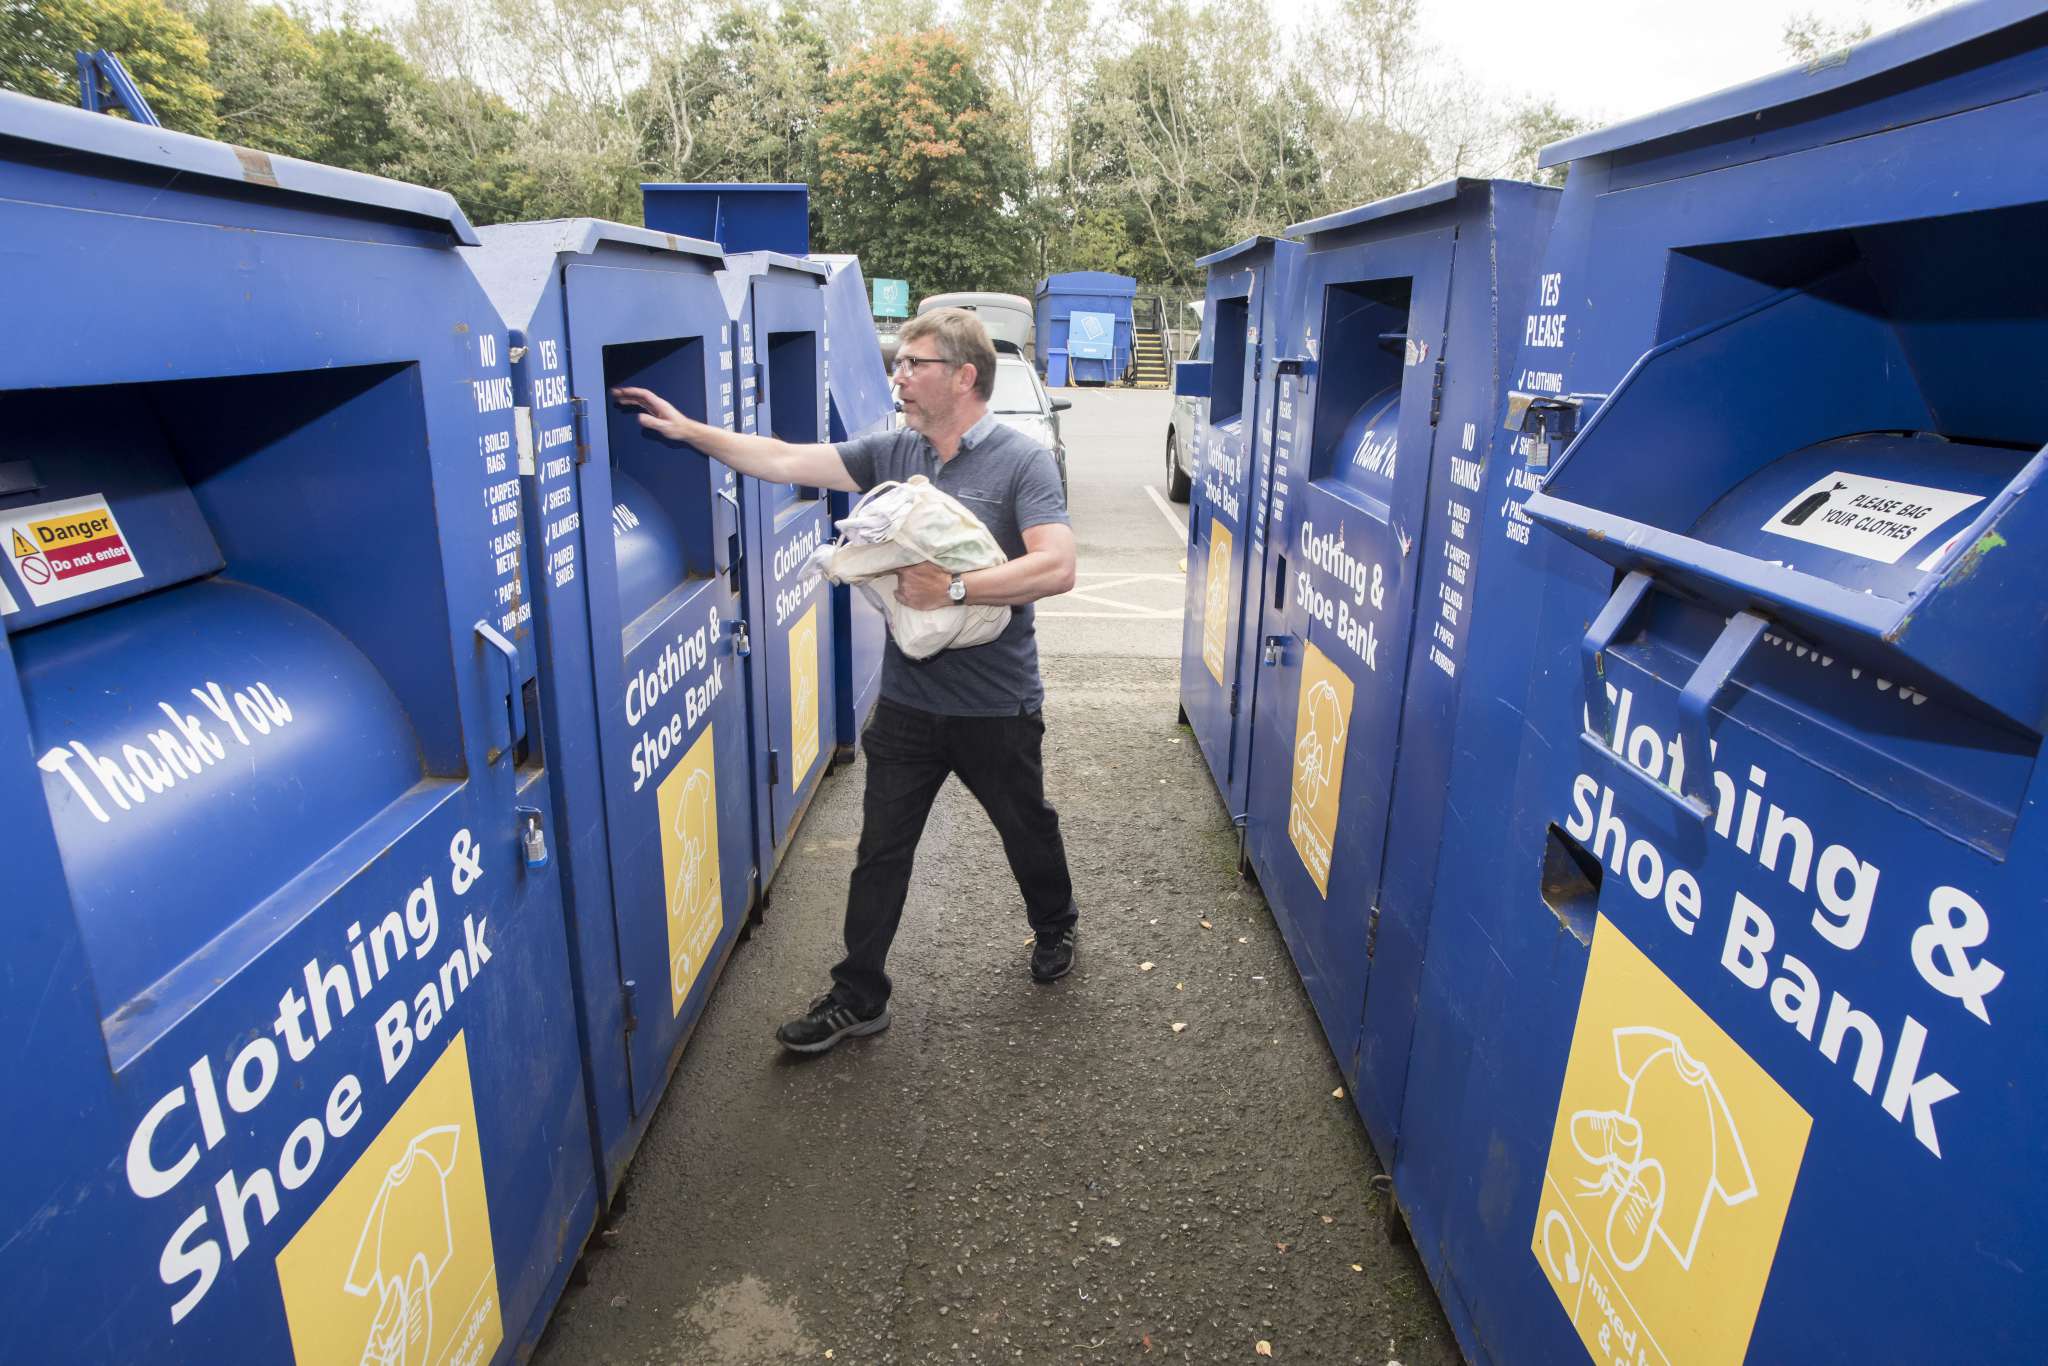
[(803, 695), (1322, 728), (687, 806), (1672, 1163), (396, 1267), (1216, 600)]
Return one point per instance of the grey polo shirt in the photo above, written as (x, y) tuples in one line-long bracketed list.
[(1009, 481)]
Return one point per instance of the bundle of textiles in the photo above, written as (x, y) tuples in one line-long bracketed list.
[(903, 524)]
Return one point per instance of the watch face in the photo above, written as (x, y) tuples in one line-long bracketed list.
[(957, 591)]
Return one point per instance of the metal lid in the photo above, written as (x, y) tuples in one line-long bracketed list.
[(54, 125), (1923, 42)]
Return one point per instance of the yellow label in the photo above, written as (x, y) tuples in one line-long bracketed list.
[(803, 695), (1216, 600), (55, 532), (687, 801), (1672, 1163), (1322, 728), (396, 1267), (22, 549)]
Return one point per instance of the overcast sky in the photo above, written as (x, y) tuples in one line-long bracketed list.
[(1608, 60)]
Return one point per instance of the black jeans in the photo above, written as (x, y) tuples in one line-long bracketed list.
[(910, 753)]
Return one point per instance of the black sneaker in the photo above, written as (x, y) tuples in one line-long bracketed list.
[(1052, 957), (826, 1023)]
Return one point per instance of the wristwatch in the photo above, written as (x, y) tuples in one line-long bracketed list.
[(957, 590)]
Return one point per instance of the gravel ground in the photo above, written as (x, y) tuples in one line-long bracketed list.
[(1144, 1161)]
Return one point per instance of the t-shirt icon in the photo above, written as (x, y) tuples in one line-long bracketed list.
[(1667, 1157)]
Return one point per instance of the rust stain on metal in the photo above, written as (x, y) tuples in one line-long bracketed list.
[(256, 167)]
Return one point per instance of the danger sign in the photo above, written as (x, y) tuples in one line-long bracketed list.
[(69, 548)]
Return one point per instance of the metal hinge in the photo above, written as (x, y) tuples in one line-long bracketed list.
[(1436, 393), (630, 992), (1372, 931), (1233, 699), (774, 767), (579, 413)]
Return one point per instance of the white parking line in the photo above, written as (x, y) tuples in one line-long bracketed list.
[(1044, 615), (1178, 523)]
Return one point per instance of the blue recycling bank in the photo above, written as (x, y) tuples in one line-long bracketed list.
[(640, 554), (1384, 376), (289, 981), (1244, 318), (861, 403), (1084, 327), (1736, 1046)]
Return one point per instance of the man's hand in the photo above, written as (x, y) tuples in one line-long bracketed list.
[(657, 414), (923, 586)]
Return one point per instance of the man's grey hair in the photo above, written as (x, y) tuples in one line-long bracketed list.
[(960, 339)]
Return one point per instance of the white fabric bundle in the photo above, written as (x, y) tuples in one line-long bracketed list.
[(904, 524)]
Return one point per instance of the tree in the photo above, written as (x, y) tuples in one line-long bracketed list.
[(1191, 138), (918, 173), (261, 61), (740, 105), (1535, 126), (39, 40), (360, 82)]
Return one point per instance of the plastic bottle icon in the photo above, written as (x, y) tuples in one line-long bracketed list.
[(1810, 504)]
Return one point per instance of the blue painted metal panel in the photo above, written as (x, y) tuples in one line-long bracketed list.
[(1757, 807), (778, 307), (862, 401), (304, 745), (51, 131), (1089, 291), (644, 695), (1348, 500), (739, 217)]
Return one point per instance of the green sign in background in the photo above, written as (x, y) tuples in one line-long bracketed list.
[(892, 298)]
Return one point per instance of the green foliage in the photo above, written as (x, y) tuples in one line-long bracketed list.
[(1187, 142), (740, 105), (360, 81), (918, 171), (1534, 127), (1033, 136), (261, 61), (161, 49)]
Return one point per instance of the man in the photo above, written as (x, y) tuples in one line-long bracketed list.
[(971, 712)]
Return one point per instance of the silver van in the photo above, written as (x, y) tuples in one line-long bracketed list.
[(1011, 324)]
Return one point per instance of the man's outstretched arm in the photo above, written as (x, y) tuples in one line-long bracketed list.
[(760, 457)]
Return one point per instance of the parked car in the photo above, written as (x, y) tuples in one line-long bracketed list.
[(1008, 317), (1183, 429), (1020, 401)]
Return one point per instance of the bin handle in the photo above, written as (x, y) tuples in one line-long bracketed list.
[(508, 654), (1695, 703)]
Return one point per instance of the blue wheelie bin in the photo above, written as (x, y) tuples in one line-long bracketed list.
[(1735, 1050), (1388, 373), (288, 1000), (861, 400), (638, 607), (1244, 318), (1101, 352)]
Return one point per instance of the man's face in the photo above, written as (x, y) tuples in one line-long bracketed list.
[(929, 388)]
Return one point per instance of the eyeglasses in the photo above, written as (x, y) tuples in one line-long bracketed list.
[(911, 363)]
